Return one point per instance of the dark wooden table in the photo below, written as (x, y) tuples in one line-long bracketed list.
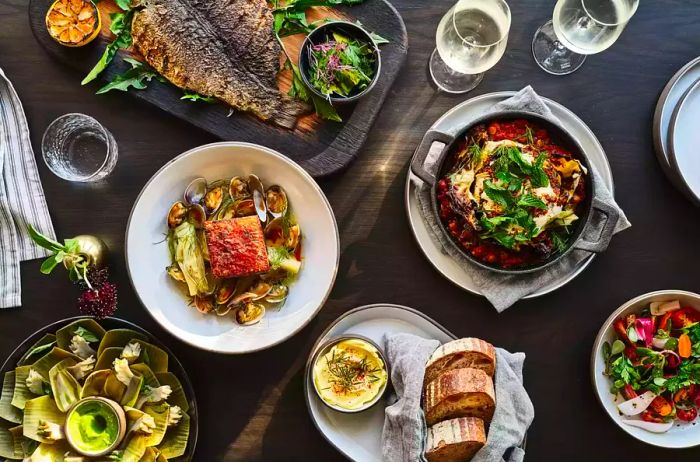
[(252, 407)]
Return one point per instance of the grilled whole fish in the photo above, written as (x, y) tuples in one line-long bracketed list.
[(220, 48)]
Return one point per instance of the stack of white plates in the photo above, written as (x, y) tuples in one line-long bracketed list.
[(677, 130)]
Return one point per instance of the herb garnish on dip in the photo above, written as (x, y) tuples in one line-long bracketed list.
[(351, 375), (341, 66)]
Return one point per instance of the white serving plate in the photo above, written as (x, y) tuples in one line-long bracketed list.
[(358, 436), (453, 122), (681, 435), (684, 139), (670, 97), (147, 253)]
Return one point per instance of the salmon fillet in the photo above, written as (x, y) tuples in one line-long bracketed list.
[(220, 48)]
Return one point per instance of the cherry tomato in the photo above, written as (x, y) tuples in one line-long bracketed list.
[(683, 317), (649, 416), (629, 392), (687, 415), (631, 353)]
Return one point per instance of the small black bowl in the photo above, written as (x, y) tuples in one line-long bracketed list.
[(323, 33)]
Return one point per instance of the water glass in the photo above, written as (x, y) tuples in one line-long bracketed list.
[(471, 38), (579, 28), (77, 147)]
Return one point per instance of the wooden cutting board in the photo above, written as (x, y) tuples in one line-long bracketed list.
[(321, 147)]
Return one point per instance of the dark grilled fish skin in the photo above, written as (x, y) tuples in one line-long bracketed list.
[(193, 45), (245, 27)]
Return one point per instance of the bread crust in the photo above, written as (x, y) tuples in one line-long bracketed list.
[(459, 393), (462, 353), (455, 440)]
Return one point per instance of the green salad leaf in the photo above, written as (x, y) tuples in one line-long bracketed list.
[(121, 28)]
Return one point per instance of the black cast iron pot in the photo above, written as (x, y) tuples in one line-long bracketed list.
[(591, 205)]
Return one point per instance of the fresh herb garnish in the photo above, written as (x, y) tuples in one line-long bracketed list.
[(137, 77), (86, 335), (192, 96), (41, 349), (341, 66), (348, 372), (121, 28)]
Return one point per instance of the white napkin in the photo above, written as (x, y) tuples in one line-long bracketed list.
[(22, 200)]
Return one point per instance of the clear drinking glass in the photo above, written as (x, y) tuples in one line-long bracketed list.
[(77, 147), (471, 38), (579, 28)]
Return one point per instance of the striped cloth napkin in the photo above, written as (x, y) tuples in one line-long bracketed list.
[(22, 200)]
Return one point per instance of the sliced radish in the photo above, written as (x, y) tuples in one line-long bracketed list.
[(637, 405), (659, 343), (659, 308), (652, 427)]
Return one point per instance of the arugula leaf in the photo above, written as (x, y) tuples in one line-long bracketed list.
[(530, 200), (192, 96), (86, 334), (325, 109), (137, 77), (121, 27), (123, 4), (376, 38)]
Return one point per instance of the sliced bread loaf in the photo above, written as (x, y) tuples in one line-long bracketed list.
[(459, 393), (455, 440), (461, 353)]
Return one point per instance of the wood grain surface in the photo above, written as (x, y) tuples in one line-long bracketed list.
[(252, 407), (321, 147)]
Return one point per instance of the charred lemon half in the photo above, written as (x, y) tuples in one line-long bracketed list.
[(73, 23)]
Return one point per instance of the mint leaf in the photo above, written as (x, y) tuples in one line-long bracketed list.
[(529, 200), (499, 195)]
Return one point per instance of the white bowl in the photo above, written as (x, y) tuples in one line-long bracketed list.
[(681, 435), (147, 253)]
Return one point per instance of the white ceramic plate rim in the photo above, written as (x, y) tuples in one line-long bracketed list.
[(291, 164), (602, 383), (673, 139), (309, 393), (424, 246)]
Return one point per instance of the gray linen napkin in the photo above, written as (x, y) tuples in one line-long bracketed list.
[(403, 438), (22, 200), (504, 290), (404, 423), (514, 411)]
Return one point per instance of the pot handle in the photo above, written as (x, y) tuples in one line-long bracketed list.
[(611, 218), (418, 161)]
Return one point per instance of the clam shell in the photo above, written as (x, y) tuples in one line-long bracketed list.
[(276, 201), (250, 314), (195, 191), (238, 188), (176, 214), (258, 191)]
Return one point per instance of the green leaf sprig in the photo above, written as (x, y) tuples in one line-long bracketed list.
[(515, 225), (68, 253), (137, 77), (121, 28)]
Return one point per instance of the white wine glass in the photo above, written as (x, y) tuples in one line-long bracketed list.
[(471, 38), (579, 28)]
